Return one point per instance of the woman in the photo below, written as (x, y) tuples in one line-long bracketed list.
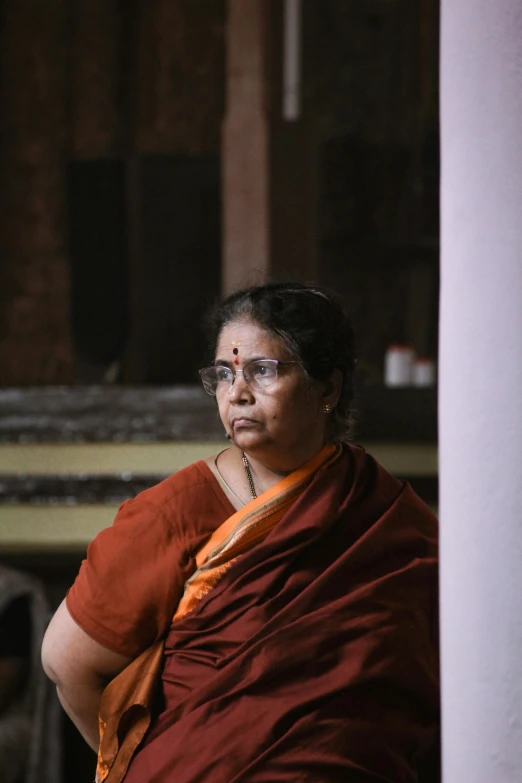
[(292, 579)]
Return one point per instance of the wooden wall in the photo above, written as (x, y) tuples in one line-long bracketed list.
[(90, 84), (91, 81)]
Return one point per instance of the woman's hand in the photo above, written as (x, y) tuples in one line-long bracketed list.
[(80, 668)]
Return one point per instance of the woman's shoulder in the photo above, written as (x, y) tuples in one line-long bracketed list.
[(150, 547), (190, 498), (185, 485), (379, 488)]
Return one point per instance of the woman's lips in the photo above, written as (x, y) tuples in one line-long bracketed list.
[(243, 423)]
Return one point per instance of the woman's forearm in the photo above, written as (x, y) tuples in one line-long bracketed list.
[(82, 705)]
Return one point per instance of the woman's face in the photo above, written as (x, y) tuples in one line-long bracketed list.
[(284, 423)]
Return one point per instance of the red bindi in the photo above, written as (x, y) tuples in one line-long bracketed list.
[(235, 351), (236, 361)]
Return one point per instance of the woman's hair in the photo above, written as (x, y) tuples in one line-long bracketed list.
[(313, 325)]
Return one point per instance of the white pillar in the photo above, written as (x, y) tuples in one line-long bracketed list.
[(481, 390)]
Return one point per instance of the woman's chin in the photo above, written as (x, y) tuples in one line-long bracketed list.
[(247, 438)]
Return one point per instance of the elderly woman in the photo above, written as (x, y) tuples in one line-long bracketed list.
[(272, 609)]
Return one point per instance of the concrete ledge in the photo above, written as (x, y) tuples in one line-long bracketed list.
[(102, 458), (51, 528), (401, 459)]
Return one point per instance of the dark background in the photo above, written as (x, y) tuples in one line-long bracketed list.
[(110, 134)]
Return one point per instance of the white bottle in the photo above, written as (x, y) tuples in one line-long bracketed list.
[(423, 372), (398, 364)]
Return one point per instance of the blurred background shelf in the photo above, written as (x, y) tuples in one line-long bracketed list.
[(149, 414), (70, 455)]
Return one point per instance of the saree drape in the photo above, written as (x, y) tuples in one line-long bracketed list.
[(314, 656), (127, 703)]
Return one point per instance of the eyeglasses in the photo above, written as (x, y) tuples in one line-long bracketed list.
[(259, 374)]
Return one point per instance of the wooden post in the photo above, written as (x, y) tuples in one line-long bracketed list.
[(269, 161), (245, 147)]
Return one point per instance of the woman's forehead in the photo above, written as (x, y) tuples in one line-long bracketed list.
[(246, 338)]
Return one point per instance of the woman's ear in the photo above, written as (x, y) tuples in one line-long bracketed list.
[(332, 389)]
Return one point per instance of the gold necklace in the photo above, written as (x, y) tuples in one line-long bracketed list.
[(225, 483)]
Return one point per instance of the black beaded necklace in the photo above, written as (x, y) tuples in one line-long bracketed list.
[(249, 475)]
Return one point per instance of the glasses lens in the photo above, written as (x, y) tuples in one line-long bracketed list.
[(213, 378), (262, 373)]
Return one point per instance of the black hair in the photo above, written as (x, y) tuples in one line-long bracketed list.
[(314, 326)]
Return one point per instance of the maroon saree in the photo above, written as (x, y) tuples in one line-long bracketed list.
[(314, 658)]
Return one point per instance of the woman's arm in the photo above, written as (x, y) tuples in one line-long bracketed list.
[(80, 668)]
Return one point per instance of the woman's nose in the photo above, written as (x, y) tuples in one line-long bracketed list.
[(239, 387)]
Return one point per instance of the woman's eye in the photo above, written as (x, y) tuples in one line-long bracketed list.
[(222, 373), (262, 370)]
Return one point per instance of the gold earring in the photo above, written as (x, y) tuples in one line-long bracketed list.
[(326, 408)]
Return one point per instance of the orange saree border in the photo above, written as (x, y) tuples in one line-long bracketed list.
[(126, 704), (240, 532)]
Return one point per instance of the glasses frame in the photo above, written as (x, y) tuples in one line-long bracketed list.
[(248, 381)]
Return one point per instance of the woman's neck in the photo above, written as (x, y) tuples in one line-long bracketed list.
[(267, 471)]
